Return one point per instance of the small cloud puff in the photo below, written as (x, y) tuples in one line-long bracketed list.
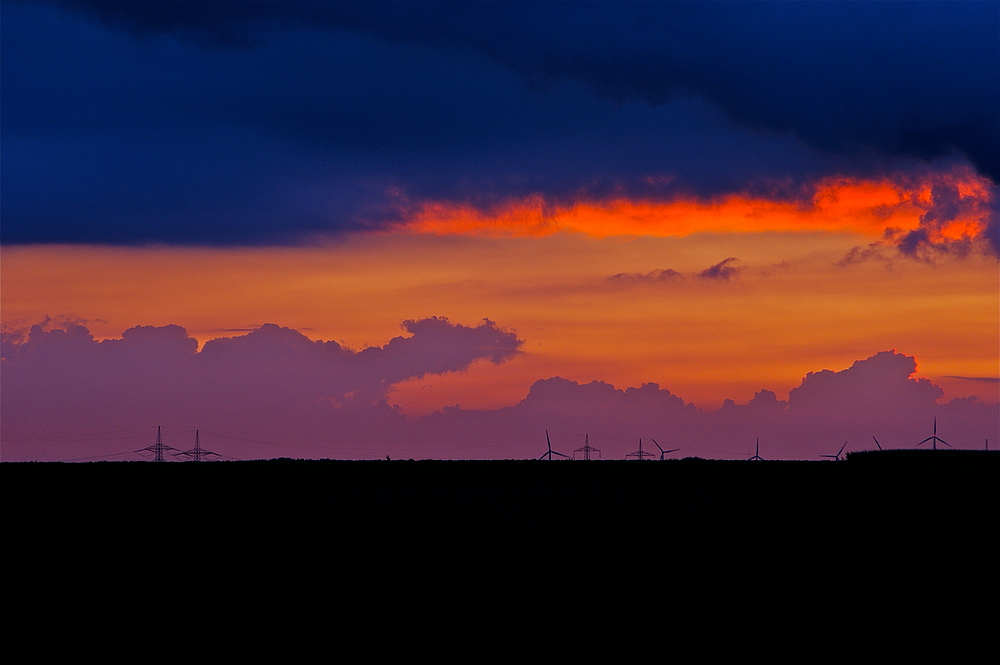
[(655, 277), (724, 271)]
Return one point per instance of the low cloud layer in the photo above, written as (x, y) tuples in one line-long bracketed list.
[(274, 392), (270, 378), (876, 397)]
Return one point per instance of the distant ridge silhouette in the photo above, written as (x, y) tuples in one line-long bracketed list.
[(928, 456)]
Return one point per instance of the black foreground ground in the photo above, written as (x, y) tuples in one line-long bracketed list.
[(502, 547)]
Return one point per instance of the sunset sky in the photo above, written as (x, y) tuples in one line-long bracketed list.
[(352, 230)]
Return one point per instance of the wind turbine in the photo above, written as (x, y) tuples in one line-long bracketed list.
[(756, 456), (934, 439), (551, 452), (662, 451), (837, 456), (641, 454)]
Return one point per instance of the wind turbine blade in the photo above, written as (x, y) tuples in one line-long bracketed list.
[(945, 443), (841, 449), (877, 443), (657, 445)]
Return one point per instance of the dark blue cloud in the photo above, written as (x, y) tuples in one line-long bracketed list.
[(249, 123)]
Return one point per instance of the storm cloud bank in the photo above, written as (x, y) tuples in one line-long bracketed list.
[(247, 123), (839, 76)]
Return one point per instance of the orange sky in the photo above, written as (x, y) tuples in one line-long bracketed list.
[(704, 340), (589, 290)]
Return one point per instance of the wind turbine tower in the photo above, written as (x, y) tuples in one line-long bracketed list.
[(934, 438), (663, 453), (551, 452), (836, 457)]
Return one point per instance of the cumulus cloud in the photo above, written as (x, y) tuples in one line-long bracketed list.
[(64, 377), (15, 332), (883, 383), (878, 396), (320, 399), (599, 398)]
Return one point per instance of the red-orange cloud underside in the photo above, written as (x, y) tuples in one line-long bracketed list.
[(868, 207)]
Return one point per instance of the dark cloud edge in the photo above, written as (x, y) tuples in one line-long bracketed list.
[(472, 26)]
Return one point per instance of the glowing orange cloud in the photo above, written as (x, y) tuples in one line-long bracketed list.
[(868, 207)]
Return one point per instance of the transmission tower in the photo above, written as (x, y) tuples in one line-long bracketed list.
[(587, 449), (197, 453), (158, 447), (641, 454)]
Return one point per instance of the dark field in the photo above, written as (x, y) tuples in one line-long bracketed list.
[(514, 546)]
